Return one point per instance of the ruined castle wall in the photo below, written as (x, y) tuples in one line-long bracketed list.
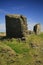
[(37, 29), (16, 25)]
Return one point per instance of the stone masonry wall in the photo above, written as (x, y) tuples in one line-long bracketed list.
[(16, 25)]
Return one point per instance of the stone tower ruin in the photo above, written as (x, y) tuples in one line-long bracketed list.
[(36, 29), (16, 25)]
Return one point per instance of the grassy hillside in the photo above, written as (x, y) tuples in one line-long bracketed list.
[(17, 52)]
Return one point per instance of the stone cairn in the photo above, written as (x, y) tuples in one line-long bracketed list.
[(16, 26), (36, 29)]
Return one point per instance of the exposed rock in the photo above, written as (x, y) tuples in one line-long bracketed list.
[(31, 32), (38, 62), (12, 61), (36, 29), (23, 38), (16, 25), (33, 45), (35, 55)]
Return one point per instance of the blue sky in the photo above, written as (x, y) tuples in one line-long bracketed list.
[(32, 9)]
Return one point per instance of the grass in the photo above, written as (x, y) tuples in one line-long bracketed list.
[(41, 35), (17, 52)]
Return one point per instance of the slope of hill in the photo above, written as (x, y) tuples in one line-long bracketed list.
[(17, 52)]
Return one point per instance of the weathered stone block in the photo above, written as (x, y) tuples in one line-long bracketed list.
[(16, 25), (36, 29)]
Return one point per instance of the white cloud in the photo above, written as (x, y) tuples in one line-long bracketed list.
[(2, 27), (3, 11), (18, 8), (7, 11), (31, 25)]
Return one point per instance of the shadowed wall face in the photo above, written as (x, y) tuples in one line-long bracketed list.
[(16, 25)]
